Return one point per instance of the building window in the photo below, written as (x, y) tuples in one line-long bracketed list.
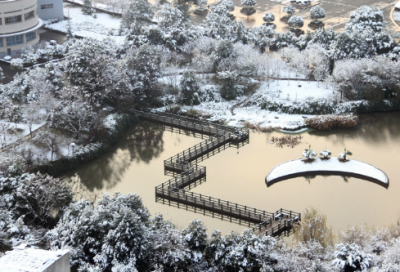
[(30, 36), (14, 19), (1, 42), (29, 15), (14, 40), (1, 21), (47, 6)]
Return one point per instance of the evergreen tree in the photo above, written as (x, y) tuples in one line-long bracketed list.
[(87, 7), (138, 11), (289, 9), (228, 90), (350, 258), (143, 71), (366, 18), (189, 88), (268, 17), (1, 74), (296, 22), (317, 12)]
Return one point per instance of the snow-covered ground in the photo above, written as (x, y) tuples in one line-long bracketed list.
[(333, 164), (88, 26), (15, 131), (244, 108)]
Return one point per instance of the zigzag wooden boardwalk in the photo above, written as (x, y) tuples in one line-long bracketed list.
[(190, 172)]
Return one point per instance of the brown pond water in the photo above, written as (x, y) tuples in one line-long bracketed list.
[(136, 165)]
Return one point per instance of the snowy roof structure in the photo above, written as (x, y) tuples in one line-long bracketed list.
[(24, 259), (331, 166), (397, 6)]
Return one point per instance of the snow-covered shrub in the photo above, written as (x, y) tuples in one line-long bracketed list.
[(309, 154), (349, 257), (12, 230), (343, 155), (356, 235), (189, 88), (196, 238), (326, 122), (325, 153), (17, 64)]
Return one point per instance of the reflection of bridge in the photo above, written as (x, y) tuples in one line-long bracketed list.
[(185, 163)]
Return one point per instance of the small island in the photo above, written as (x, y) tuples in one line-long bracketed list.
[(331, 166)]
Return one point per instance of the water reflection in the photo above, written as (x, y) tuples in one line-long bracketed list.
[(142, 143), (133, 167)]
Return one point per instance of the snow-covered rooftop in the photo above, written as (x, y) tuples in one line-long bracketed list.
[(333, 166), (33, 260)]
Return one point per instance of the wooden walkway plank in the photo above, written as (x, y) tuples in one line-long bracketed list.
[(190, 172)]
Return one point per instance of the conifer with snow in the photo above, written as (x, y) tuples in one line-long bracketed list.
[(228, 90), (189, 88), (349, 257), (366, 18), (139, 11), (87, 7)]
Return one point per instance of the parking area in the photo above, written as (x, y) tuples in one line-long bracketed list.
[(337, 12)]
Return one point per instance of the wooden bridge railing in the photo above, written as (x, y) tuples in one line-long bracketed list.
[(215, 204), (190, 172)]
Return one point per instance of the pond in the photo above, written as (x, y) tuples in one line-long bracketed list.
[(135, 165)]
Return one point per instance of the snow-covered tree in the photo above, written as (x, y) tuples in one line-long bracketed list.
[(223, 7), (115, 232), (138, 10), (31, 115), (228, 90), (268, 17), (1, 75), (74, 117), (248, 3), (325, 153), (308, 153), (366, 19), (343, 155), (349, 257), (189, 88), (262, 36), (317, 12), (37, 197), (318, 58), (350, 45), (296, 22), (143, 70), (324, 37), (48, 140), (87, 7), (224, 51), (196, 238), (289, 9)]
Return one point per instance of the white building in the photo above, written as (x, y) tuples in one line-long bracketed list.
[(24, 259), (19, 21)]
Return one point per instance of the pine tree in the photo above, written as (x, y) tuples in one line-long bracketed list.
[(268, 17), (317, 12)]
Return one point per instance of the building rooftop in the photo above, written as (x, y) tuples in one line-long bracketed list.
[(24, 259)]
